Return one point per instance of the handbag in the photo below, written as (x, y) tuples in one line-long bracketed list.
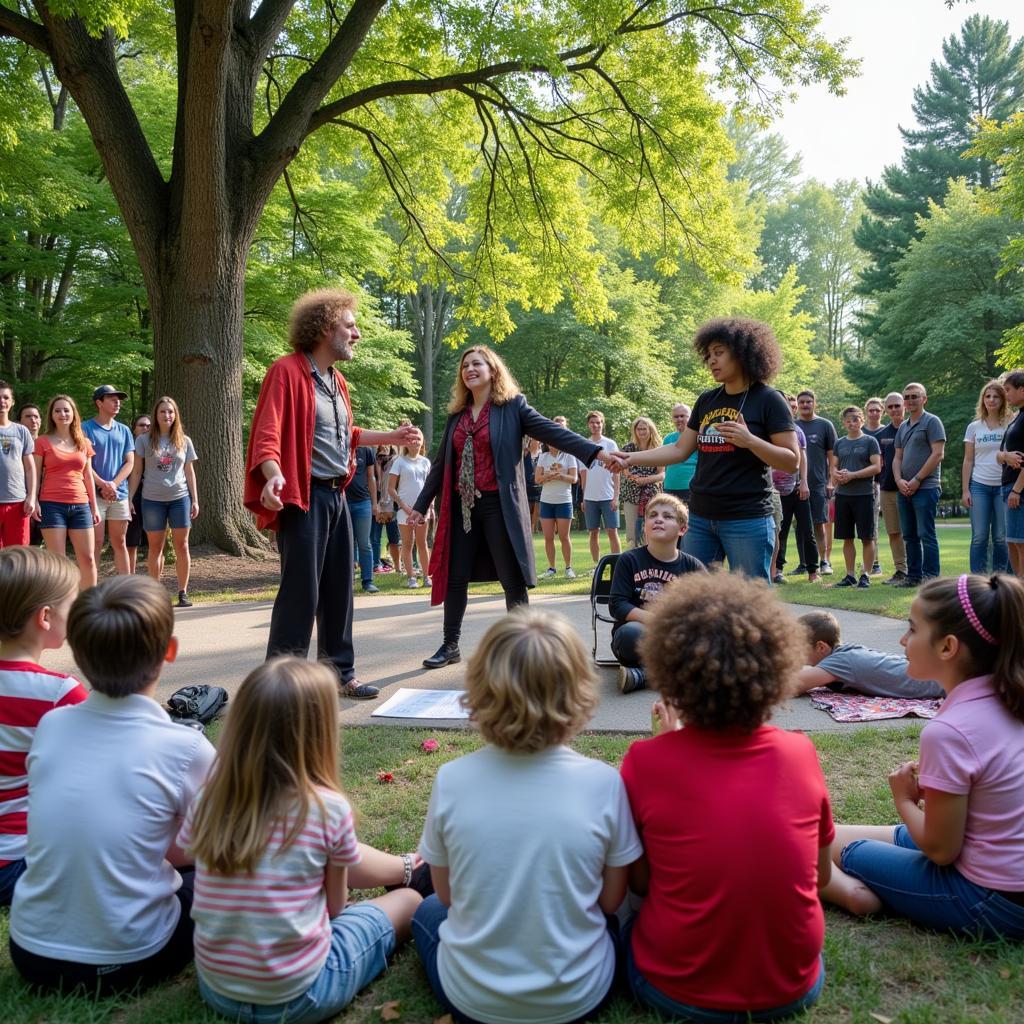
[(196, 704)]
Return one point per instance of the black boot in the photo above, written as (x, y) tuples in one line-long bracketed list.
[(447, 654)]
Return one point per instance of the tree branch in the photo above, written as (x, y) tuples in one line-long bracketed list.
[(267, 22), (17, 25)]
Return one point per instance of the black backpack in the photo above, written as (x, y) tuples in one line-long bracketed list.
[(196, 705)]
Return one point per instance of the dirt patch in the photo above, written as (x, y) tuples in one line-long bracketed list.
[(214, 572)]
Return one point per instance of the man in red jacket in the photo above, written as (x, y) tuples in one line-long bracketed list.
[(300, 460)]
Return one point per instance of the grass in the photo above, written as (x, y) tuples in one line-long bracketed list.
[(877, 970)]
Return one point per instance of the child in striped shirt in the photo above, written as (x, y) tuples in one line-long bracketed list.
[(275, 850), (37, 589)]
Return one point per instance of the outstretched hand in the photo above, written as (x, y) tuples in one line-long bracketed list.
[(615, 461)]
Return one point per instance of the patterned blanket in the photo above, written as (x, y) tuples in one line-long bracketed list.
[(855, 707)]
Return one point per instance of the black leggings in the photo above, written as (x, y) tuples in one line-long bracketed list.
[(487, 527), (807, 549)]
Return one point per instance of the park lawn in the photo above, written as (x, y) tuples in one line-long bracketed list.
[(881, 970)]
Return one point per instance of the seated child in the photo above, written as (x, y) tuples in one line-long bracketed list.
[(640, 575), (275, 850), (101, 906), (37, 589), (957, 862), (528, 842), (733, 814), (842, 666)]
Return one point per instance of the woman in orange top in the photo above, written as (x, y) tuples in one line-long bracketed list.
[(67, 491)]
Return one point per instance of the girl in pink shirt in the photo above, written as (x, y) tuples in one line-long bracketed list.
[(275, 850), (957, 862)]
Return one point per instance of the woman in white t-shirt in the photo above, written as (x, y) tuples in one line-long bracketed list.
[(556, 472), (405, 481), (982, 479), (528, 842)]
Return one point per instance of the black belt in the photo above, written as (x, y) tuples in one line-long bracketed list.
[(334, 483)]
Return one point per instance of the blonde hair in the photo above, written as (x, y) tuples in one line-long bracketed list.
[(177, 432), (30, 579), (279, 745), (672, 502), (503, 385), (1004, 407), (75, 430), (530, 685), (653, 438), (316, 312)]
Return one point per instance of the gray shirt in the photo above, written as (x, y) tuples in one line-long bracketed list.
[(15, 443), (916, 440), (855, 455), (875, 674), (331, 429), (164, 479), (821, 439)]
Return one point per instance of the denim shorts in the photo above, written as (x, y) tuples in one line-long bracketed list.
[(597, 512), (1014, 519), (158, 515), (59, 515), (362, 937), (556, 510)]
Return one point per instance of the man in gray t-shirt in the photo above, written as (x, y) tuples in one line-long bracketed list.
[(821, 439), (920, 445)]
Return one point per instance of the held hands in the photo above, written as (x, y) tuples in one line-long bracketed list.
[(108, 492), (617, 462), (904, 785), (414, 518), (271, 496), (736, 432), (408, 435)]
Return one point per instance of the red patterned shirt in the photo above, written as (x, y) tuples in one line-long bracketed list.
[(484, 475)]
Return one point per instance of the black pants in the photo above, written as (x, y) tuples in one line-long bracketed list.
[(806, 546), (316, 582), (626, 642), (488, 528), (103, 980)]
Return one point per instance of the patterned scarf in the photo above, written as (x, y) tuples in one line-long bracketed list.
[(467, 482)]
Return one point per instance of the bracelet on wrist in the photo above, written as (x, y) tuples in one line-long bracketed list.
[(407, 869)]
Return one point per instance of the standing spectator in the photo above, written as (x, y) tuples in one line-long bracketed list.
[(30, 417), (170, 497), (982, 480), (874, 409), (67, 494), (796, 507), (531, 453), (821, 439), (384, 517), (406, 478), (135, 535), (111, 467), (1012, 459), (300, 460), (640, 482), (920, 446), (577, 487), (362, 500), (556, 471), (17, 474), (888, 493), (679, 475), (601, 492), (855, 461)]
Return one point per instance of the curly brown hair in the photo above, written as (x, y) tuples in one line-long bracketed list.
[(315, 312), (722, 650), (751, 342)]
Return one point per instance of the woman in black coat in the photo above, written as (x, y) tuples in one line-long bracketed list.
[(483, 526)]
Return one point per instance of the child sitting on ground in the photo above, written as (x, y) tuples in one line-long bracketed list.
[(842, 666), (37, 589), (734, 815), (957, 863), (528, 842), (640, 575), (275, 850), (101, 906)]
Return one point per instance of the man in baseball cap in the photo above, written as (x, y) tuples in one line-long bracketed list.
[(111, 466)]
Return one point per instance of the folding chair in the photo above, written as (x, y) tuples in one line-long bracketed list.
[(601, 622)]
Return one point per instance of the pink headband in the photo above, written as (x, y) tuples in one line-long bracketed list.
[(972, 615)]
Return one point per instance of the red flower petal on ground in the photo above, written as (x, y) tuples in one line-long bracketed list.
[(385, 777), (430, 745)]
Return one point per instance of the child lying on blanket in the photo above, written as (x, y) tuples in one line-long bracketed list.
[(842, 666)]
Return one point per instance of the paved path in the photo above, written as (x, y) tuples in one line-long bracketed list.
[(221, 643)]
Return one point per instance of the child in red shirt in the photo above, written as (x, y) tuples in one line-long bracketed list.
[(734, 815)]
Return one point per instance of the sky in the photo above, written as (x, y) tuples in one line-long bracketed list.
[(856, 135)]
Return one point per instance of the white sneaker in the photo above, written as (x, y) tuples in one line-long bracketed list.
[(825, 569), (548, 573), (412, 583), (570, 573), (427, 582)]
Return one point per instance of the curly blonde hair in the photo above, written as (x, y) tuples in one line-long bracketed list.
[(530, 685), (316, 312), (722, 650), (503, 385)]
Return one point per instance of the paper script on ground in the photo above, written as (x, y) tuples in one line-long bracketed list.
[(409, 703)]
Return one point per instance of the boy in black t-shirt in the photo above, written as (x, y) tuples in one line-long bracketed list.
[(640, 576)]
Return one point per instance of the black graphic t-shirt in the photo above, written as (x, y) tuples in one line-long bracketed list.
[(1013, 441), (731, 482), (639, 579)]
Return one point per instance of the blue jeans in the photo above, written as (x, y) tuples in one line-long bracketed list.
[(1014, 518), (362, 515), (747, 543), (376, 532), (911, 885), (988, 517), (9, 874), (647, 995), (917, 524), (361, 939)]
